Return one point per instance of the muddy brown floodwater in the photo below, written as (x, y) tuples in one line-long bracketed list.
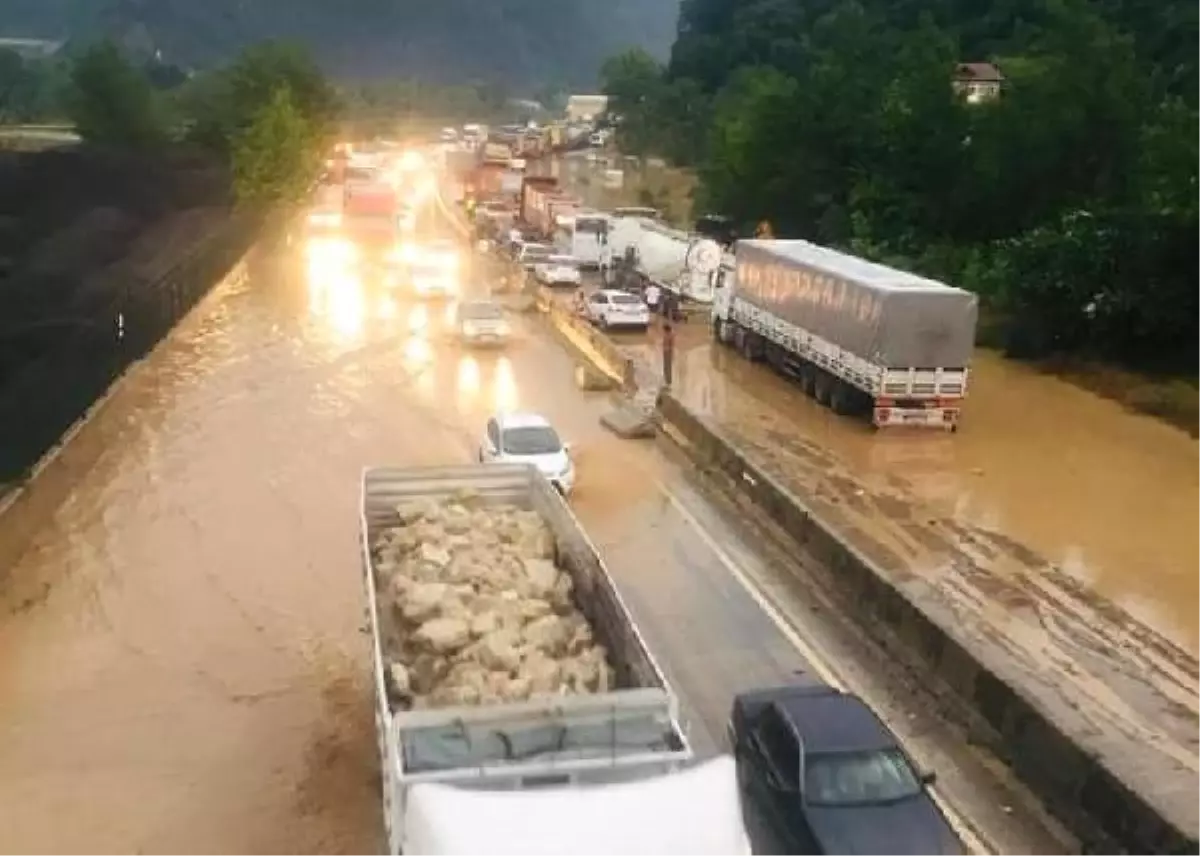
[(1057, 472), (181, 662)]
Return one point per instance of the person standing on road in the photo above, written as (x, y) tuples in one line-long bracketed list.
[(671, 306), (668, 352)]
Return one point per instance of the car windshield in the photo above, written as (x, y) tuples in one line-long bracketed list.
[(534, 251), (481, 311), (855, 778), (531, 440), (561, 261), (625, 299)]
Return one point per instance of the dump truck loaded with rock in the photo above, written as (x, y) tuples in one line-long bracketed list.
[(504, 657)]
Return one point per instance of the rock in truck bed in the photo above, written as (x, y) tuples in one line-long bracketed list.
[(474, 610)]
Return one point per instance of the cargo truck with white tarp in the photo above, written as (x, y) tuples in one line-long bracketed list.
[(513, 689), (861, 338)]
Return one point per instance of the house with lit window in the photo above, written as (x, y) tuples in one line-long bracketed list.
[(978, 81)]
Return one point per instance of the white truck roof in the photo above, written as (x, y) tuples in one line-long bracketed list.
[(694, 811)]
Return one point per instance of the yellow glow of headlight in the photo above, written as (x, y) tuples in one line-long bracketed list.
[(411, 160), (325, 218), (330, 256)]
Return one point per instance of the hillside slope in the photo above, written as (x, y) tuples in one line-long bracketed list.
[(528, 42)]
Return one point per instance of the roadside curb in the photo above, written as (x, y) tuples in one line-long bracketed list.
[(1076, 784)]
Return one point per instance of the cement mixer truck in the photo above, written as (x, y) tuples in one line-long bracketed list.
[(653, 252)]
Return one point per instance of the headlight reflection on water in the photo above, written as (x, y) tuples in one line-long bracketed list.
[(468, 380), (504, 386), (418, 321), (338, 298)]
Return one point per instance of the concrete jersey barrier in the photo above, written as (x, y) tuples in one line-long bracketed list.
[(1076, 781), (589, 343)]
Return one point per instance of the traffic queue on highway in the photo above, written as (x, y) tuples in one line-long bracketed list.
[(860, 338), (493, 757)]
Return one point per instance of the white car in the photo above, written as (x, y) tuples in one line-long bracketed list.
[(526, 438), (433, 268), (481, 322), (528, 253), (558, 270), (610, 308)]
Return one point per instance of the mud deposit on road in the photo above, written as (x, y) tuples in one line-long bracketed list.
[(1048, 472), (1115, 681)]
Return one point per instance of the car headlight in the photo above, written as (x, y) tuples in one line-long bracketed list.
[(325, 218), (469, 328)]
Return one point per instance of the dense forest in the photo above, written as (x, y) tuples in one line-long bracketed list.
[(1068, 202), (521, 43)]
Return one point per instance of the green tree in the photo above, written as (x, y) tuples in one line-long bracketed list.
[(13, 81), (275, 157), (30, 90), (224, 104), (750, 147), (633, 82), (111, 102)]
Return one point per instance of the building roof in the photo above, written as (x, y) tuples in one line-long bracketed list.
[(31, 47), (982, 72), (835, 722)]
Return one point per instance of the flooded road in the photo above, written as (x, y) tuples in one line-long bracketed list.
[(181, 662), (1059, 473)]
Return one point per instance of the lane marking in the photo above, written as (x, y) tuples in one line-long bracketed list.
[(973, 842)]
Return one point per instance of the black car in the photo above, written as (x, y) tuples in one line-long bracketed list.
[(827, 776)]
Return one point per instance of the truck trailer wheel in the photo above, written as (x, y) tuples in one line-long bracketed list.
[(821, 388), (808, 380), (840, 397), (749, 351)]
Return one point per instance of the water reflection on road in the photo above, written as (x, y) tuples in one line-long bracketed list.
[(181, 665)]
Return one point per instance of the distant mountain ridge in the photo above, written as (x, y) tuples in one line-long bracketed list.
[(518, 42)]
